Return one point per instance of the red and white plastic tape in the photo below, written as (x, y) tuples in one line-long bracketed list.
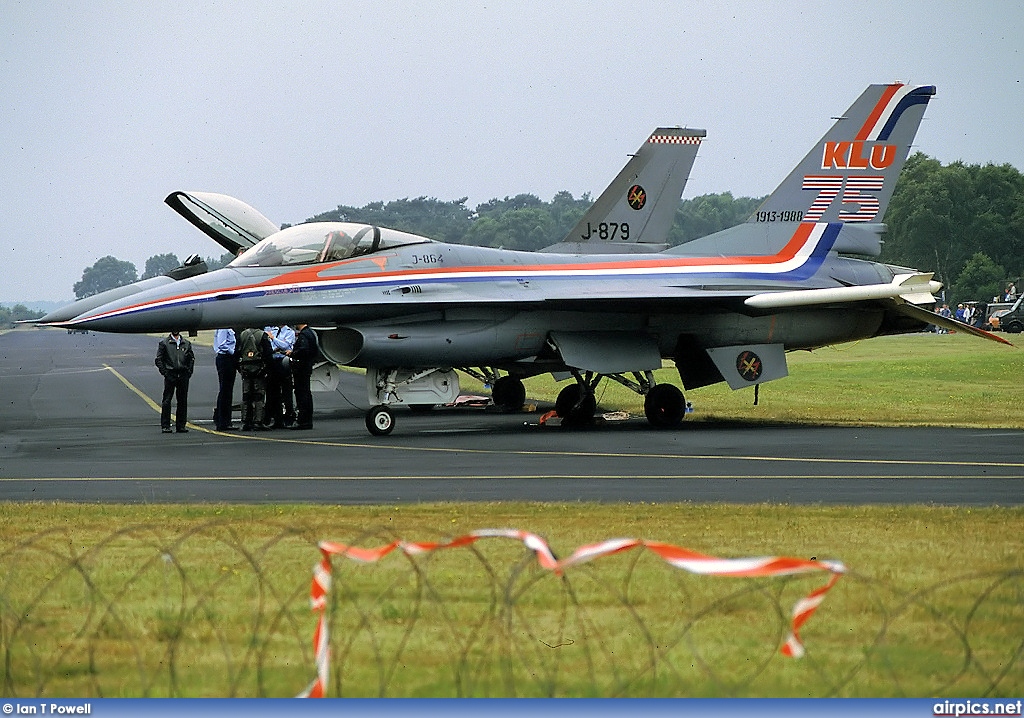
[(674, 555)]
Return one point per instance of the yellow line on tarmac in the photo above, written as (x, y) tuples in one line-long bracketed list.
[(580, 454), (506, 477), (152, 404)]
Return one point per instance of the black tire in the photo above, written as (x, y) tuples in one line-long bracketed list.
[(380, 421), (665, 406), (508, 393), (1014, 327), (574, 405)]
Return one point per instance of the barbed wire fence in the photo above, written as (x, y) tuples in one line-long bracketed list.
[(223, 609)]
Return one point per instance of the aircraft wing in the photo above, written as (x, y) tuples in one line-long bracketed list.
[(903, 294), (906, 291)]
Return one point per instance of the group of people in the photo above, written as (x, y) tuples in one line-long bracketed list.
[(275, 362), (966, 313)]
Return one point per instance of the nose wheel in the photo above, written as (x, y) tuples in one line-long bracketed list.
[(380, 421)]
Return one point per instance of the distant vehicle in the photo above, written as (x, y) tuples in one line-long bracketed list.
[(1009, 320)]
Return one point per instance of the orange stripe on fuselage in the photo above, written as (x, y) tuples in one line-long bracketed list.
[(315, 273)]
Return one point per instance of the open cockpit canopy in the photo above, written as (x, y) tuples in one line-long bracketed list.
[(230, 222), (319, 242)]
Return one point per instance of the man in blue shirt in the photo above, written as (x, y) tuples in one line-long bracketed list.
[(227, 365), (280, 409)]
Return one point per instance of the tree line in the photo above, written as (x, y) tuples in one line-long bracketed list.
[(965, 222), (17, 313), (525, 222)]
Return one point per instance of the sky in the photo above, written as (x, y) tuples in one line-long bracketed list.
[(298, 107)]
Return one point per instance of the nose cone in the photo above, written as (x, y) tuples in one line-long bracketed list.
[(166, 306), (67, 313)]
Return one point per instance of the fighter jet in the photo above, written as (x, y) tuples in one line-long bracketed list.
[(661, 165), (609, 302)]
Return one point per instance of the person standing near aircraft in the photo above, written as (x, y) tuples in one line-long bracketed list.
[(280, 410), (176, 362), (254, 359), (304, 354), (227, 363)]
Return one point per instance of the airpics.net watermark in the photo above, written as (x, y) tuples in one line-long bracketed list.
[(967, 708)]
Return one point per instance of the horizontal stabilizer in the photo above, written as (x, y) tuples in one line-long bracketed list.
[(947, 323), (913, 288)]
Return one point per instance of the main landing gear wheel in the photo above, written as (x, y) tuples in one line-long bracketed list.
[(380, 421), (575, 405), (508, 393), (664, 406)]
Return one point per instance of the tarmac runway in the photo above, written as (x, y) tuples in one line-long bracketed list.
[(79, 421)]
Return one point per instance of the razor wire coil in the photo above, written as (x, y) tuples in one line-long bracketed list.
[(222, 609)]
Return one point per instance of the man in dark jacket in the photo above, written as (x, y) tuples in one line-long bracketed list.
[(304, 355), (255, 355), (176, 362)]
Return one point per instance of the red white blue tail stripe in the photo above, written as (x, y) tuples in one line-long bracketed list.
[(892, 104)]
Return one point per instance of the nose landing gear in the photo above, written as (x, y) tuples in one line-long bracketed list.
[(380, 421)]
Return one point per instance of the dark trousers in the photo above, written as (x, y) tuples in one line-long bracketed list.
[(254, 395), (287, 405), (174, 385), (279, 394), (303, 394), (225, 394)]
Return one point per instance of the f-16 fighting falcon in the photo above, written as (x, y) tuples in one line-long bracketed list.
[(609, 301)]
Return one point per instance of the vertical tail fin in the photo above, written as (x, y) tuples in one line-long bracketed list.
[(849, 175), (636, 211), (844, 183)]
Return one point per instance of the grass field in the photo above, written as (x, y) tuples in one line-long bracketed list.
[(206, 601), (910, 380), (213, 600)]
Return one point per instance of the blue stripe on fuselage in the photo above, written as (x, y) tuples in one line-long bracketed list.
[(804, 271)]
